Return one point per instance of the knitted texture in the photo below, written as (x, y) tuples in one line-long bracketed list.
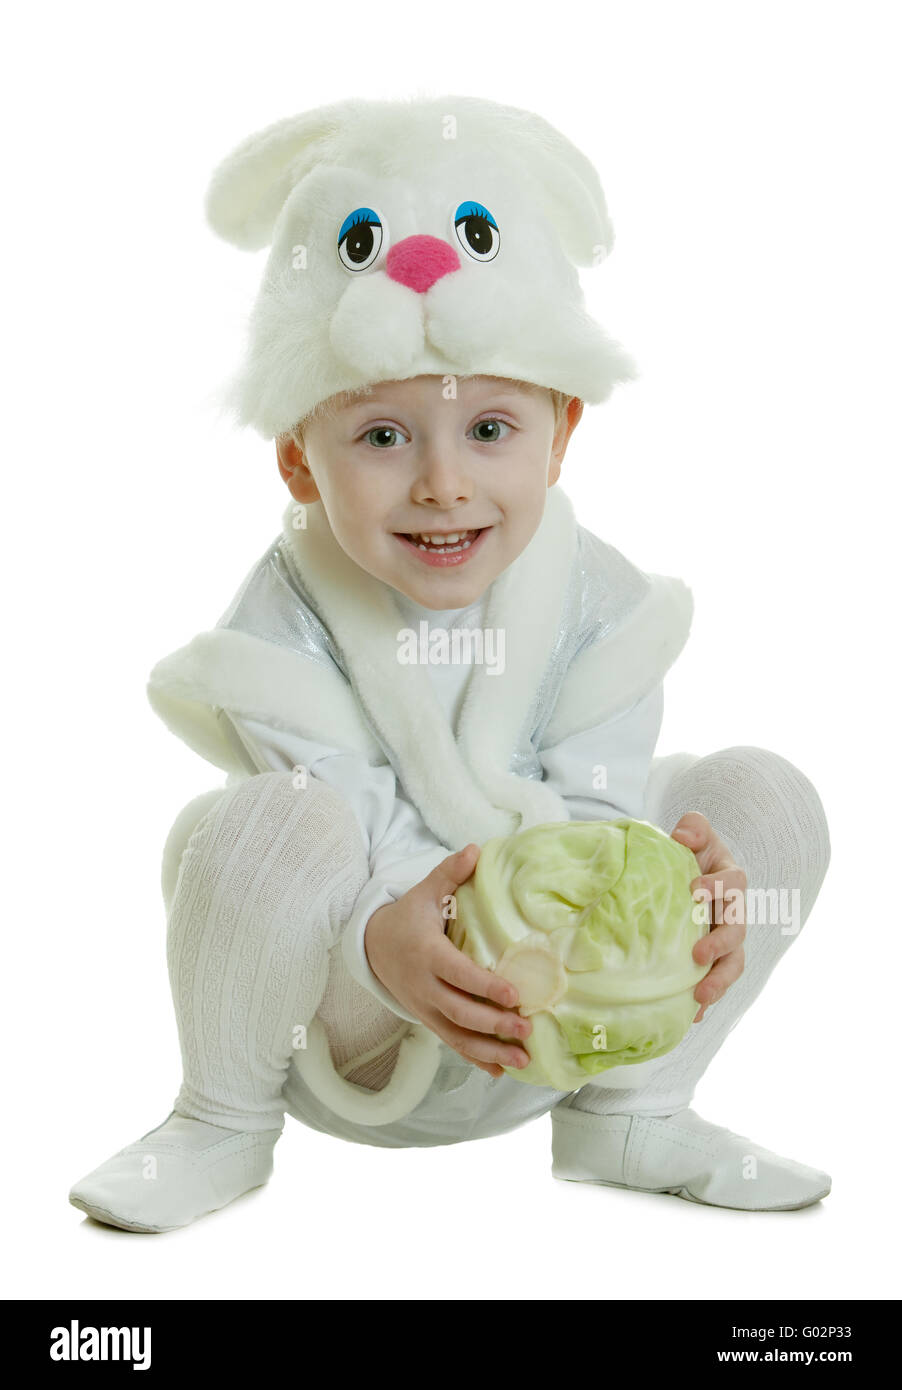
[(270, 875), (364, 1036), (265, 885), (771, 818)]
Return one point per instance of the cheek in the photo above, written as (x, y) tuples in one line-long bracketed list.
[(529, 499), (357, 517)]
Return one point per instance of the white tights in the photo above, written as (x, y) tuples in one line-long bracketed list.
[(271, 872), (265, 884)]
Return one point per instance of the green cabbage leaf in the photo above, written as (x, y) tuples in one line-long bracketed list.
[(593, 922)]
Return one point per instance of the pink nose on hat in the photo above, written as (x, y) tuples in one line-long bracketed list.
[(418, 261)]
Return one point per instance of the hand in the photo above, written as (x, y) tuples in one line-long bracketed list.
[(721, 875), (408, 951)]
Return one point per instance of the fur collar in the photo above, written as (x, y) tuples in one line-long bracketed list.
[(254, 664), (465, 780)]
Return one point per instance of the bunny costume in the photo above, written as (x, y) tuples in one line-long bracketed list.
[(305, 661), (402, 236)]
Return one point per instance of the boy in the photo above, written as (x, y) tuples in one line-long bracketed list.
[(421, 362)]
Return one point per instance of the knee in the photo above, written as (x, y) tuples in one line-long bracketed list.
[(766, 810), (777, 781), (280, 807), (180, 832)]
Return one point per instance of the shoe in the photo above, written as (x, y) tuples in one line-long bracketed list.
[(681, 1154), (175, 1173)]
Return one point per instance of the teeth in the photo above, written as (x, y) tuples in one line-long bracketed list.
[(443, 545)]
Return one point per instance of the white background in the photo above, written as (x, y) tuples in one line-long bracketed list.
[(749, 153)]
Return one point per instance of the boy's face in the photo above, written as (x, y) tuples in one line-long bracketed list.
[(405, 461)]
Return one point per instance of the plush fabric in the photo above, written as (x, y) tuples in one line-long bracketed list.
[(476, 216), (309, 644), (312, 648)]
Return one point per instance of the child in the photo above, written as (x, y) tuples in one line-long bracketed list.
[(431, 653)]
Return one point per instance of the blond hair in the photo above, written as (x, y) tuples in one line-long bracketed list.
[(328, 409)]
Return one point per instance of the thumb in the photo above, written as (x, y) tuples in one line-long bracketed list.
[(456, 869)]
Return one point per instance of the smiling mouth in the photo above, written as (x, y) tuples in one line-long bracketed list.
[(442, 543)]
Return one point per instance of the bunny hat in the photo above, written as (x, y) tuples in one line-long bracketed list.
[(428, 235)]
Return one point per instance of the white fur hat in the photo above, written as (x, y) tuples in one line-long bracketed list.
[(431, 235)]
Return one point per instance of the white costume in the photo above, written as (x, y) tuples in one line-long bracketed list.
[(431, 236), (311, 640)]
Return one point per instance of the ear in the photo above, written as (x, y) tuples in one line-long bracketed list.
[(568, 185), (295, 471), (574, 415), (249, 187), (562, 438)]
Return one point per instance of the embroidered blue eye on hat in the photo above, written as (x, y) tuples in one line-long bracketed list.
[(423, 236)]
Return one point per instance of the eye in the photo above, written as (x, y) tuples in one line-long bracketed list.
[(360, 239), (497, 424), (381, 431), (477, 231)]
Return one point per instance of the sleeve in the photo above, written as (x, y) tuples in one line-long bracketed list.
[(602, 772), (402, 849)]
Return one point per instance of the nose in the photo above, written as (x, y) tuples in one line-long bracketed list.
[(442, 483), (418, 261)]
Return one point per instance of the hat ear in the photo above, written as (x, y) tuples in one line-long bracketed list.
[(248, 189), (573, 200)]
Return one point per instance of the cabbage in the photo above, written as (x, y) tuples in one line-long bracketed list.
[(593, 922)]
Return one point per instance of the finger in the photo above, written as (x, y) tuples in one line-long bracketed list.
[(715, 857), (493, 1053), (717, 882), (698, 834), (480, 1047), (467, 1012), (692, 829), (492, 1068), (719, 942), (723, 895), (452, 966), (725, 973), (455, 870)]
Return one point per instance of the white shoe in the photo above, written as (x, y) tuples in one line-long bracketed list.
[(175, 1173), (681, 1154)]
